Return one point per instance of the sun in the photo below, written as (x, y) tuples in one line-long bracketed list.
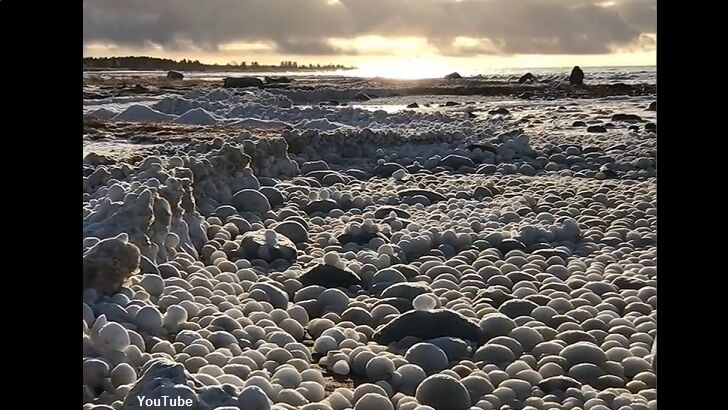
[(403, 69)]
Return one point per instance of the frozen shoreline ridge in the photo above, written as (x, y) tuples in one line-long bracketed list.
[(369, 244)]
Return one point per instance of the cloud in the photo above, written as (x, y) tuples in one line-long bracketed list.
[(306, 26), (310, 47)]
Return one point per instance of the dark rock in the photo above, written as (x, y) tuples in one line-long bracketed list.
[(578, 124), (432, 196), (175, 75), (329, 277), (242, 82), (413, 105), (577, 76), (451, 104), (596, 128), (652, 106), (430, 324), (651, 127), (453, 76), (500, 110), (278, 80), (527, 78), (626, 117)]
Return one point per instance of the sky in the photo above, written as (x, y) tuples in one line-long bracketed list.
[(413, 36)]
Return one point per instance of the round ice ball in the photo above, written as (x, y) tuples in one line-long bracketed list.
[(323, 344), (287, 377), (443, 392), (123, 373), (253, 398), (341, 367), (583, 352), (331, 258), (149, 319), (373, 401), (424, 301), (379, 368), (428, 356), (114, 337), (407, 377), (153, 284)]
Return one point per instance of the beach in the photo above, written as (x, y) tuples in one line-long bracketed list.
[(332, 241)]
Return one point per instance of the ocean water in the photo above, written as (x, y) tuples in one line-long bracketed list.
[(594, 75)]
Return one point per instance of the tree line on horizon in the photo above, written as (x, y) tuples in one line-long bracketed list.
[(155, 63)]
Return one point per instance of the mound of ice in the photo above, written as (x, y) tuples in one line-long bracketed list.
[(197, 116), (138, 112), (258, 123), (174, 105), (321, 124), (101, 114)]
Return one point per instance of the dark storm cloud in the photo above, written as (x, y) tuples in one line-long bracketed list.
[(309, 47), (304, 26)]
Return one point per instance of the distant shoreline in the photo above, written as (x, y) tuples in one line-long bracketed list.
[(220, 69), (144, 63)]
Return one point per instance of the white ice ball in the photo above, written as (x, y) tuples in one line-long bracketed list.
[(424, 301)]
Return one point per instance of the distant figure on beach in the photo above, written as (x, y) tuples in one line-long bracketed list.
[(577, 76)]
